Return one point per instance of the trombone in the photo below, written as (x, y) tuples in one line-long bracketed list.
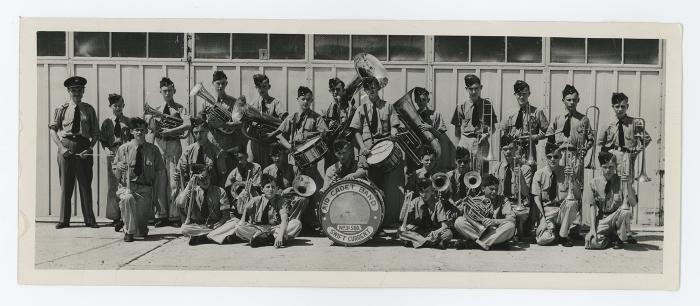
[(596, 115), (642, 177)]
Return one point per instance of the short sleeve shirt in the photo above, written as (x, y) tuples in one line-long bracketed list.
[(62, 121)]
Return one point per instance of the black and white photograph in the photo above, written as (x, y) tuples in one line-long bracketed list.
[(247, 148)]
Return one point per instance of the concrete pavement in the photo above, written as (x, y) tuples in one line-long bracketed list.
[(95, 249)]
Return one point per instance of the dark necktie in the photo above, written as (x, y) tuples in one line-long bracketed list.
[(567, 126), (200, 155), (75, 129), (166, 109), (620, 134), (519, 120), (375, 120), (263, 106), (205, 205), (552, 191), (138, 168), (117, 129), (507, 182), (462, 186), (476, 114), (300, 123), (279, 179)]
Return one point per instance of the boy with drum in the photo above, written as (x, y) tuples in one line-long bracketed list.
[(297, 129), (376, 120), (427, 219)]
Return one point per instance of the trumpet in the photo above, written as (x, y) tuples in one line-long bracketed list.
[(217, 110), (164, 122), (531, 130)]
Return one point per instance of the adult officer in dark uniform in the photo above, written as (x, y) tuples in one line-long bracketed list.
[(75, 131)]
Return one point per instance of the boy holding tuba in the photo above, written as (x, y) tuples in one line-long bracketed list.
[(167, 140), (488, 219)]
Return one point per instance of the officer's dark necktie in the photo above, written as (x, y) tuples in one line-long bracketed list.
[(138, 168), (620, 134), (508, 182), (75, 129), (374, 123), (117, 129), (567, 126)]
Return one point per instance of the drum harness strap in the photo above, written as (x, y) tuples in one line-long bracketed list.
[(371, 134)]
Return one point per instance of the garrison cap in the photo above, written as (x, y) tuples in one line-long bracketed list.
[(218, 75), (165, 82)]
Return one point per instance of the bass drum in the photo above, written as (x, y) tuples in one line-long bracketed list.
[(351, 212)]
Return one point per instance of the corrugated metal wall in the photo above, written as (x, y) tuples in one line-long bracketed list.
[(137, 81)]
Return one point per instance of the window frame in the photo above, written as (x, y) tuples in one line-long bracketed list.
[(607, 66), (426, 55), (71, 42), (504, 63), (52, 57)]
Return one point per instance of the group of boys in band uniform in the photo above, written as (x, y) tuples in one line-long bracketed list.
[(217, 193)]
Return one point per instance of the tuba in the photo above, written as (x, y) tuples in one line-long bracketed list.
[(366, 66), (164, 122), (256, 125), (440, 182), (304, 186), (411, 138), (476, 209), (216, 110)]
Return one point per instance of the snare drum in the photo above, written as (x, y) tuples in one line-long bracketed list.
[(310, 152), (384, 155), (351, 212)]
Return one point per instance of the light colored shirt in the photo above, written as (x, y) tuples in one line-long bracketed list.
[(108, 138), (271, 107), (153, 165), (356, 170), (544, 178), (300, 127), (240, 174), (609, 137), (62, 121), (216, 199), (285, 174), (189, 157), (433, 119), (526, 174), (386, 119), (221, 139), (462, 117), (611, 200), (579, 124)]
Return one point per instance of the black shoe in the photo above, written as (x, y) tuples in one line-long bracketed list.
[(442, 245), (575, 235), (128, 237), (617, 245), (460, 244), (92, 225), (567, 242), (61, 225), (631, 240), (197, 240), (118, 225), (229, 239), (176, 224), (162, 222), (257, 241)]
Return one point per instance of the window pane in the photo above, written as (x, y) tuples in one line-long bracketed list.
[(332, 47), (166, 45), (287, 46), (372, 44), (91, 44), (604, 50), (642, 51), (451, 48), (247, 46), (128, 44), (50, 43), (212, 45), (568, 50), (488, 48), (406, 48), (524, 49)]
